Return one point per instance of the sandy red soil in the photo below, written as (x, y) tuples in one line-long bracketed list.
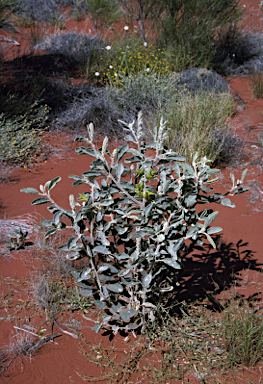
[(242, 235)]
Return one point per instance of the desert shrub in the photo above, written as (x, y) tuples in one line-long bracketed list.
[(197, 80), (193, 26), (20, 135), (40, 10), (134, 230), (97, 107), (58, 95), (151, 90), (238, 54), (198, 123), (129, 58), (105, 106), (77, 47), (149, 93)]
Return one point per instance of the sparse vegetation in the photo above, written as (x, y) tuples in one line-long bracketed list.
[(182, 347)]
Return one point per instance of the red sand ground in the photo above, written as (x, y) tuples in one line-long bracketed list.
[(58, 363)]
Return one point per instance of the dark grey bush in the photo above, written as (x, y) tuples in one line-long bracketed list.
[(94, 107), (73, 46), (40, 10), (200, 79), (239, 55)]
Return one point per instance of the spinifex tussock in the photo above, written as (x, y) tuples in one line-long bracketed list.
[(135, 231)]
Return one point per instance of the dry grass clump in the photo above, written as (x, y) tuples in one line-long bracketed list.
[(256, 82), (22, 344), (5, 172), (199, 124), (242, 329)]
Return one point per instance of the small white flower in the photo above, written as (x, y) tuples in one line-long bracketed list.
[(145, 44), (234, 55), (97, 73), (244, 5), (110, 66), (115, 74), (126, 28), (147, 69), (108, 47)]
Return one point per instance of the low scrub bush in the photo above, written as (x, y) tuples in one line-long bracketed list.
[(238, 54), (136, 223), (95, 106), (149, 93), (198, 123), (129, 58), (40, 10), (196, 80), (20, 138), (77, 47)]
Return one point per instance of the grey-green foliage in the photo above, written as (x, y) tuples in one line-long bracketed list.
[(154, 92), (135, 224)]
